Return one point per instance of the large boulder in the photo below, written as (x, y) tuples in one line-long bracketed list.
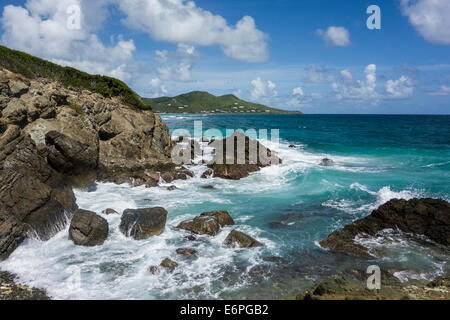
[(88, 229), (245, 157), (208, 223), (237, 239), (142, 224), (426, 217)]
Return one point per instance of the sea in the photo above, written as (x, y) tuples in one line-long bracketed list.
[(289, 207)]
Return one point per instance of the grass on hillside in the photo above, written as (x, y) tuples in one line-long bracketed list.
[(33, 67)]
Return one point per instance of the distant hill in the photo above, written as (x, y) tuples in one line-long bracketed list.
[(33, 67), (204, 102)]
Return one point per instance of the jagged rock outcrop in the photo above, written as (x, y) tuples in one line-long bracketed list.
[(9, 290), (141, 224), (88, 229), (247, 156), (427, 217), (237, 239), (208, 223), (54, 138)]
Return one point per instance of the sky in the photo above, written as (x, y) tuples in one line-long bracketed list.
[(316, 56)]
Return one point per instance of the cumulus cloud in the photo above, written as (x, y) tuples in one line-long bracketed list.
[(40, 28), (335, 36), (318, 75), (347, 88), (300, 99), (176, 66), (181, 21), (401, 88), (443, 91), (298, 91), (430, 18), (157, 89), (263, 89)]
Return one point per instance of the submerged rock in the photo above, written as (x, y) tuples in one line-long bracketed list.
[(186, 252), (169, 264), (248, 163), (88, 229), (142, 224), (327, 162), (172, 188), (292, 146), (426, 217), (208, 187), (208, 223), (207, 174), (110, 211), (239, 239)]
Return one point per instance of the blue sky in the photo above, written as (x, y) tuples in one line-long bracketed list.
[(313, 56)]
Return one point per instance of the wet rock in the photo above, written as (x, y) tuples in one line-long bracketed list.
[(240, 167), (207, 174), (427, 217), (191, 238), (167, 177), (142, 224), (208, 223), (154, 270), (275, 259), (186, 252), (9, 290), (239, 239), (208, 187), (292, 146), (169, 264), (327, 162), (88, 229), (110, 211), (172, 188)]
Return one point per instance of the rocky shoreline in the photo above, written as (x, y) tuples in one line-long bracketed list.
[(54, 139)]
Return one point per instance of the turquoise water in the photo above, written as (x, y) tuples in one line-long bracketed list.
[(289, 208)]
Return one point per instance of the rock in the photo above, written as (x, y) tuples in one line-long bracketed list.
[(88, 229), (292, 146), (18, 88), (249, 162), (327, 162), (238, 239), (208, 223), (169, 264), (172, 188), (110, 211), (208, 187), (427, 217), (9, 290), (207, 174), (167, 177), (142, 224), (223, 217), (154, 270), (182, 174), (15, 112), (190, 238), (186, 252)]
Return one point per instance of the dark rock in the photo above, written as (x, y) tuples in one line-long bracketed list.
[(142, 224), (277, 225), (191, 238), (110, 211), (9, 290), (186, 252), (292, 146), (276, 260), (154, 270), (172, 188), (208, 223), (169, 264), (327, 162), (208, 187), (207, 174), (238, 239), (183, 174), (237, 170), (428, 217), (60, 99), (88, 229), (167, 177)]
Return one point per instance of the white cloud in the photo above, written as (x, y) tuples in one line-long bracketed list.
[(181, 21), (298, 91), (176, 66), (443, 91), (263, 89), (430, 18), (401, 88), (157, 89), (347, 88), (40, 28), (318, 75), (335, 36)]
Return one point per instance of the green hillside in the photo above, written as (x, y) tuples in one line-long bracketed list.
[(204, 102), (33, 67)]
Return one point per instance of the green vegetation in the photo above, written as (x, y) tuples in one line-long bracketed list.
[(76, 107), (204, 102), (33, 67)]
